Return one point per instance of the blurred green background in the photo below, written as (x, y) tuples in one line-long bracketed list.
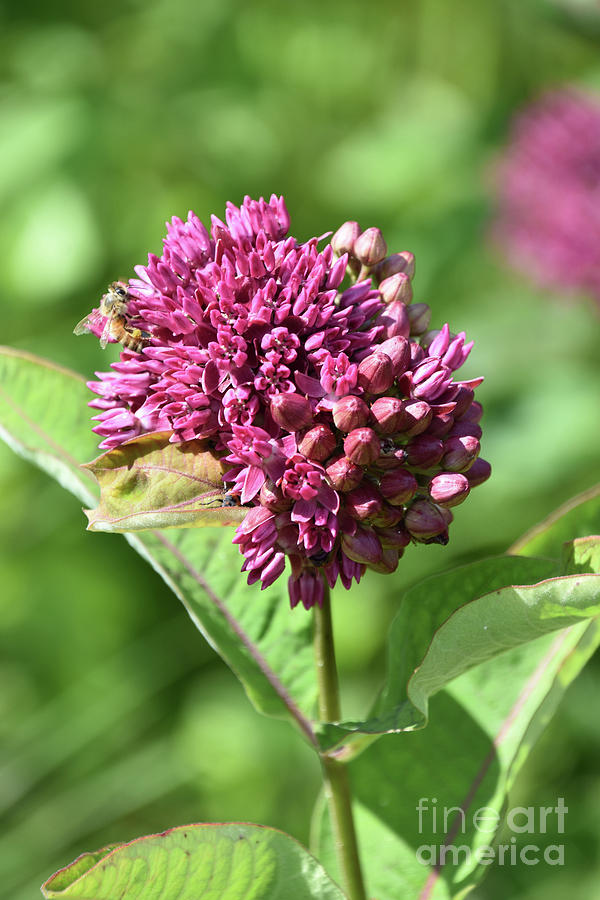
[(116, 719)]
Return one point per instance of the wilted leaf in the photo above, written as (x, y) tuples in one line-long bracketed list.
[(149, 483)]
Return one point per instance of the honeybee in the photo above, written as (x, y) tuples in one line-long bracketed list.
[(113, 309)]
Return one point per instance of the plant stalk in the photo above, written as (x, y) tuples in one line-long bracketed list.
[(335, 773)]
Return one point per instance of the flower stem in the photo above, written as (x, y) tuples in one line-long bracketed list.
[(335, 773), (364, 272)]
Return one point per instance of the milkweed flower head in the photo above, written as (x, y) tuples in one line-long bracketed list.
[(548, 192), (346, 430)]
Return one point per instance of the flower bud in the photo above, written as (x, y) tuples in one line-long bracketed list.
[(291, 411), (428, 338), (397, 262), (459, 453), (370, 247), (424, 521), (287, 539), (363, 502), (419, 317), (344, 238), (388, 516), (395, 319), (448, 489), (430, 386), (363, 546), (308, 588), (350, 412), (388, 413), (393, 537), (344, 474), (473, 413), (388, 562), (440, 424), (462, 400), (424, 452), (398, 486), (417, 416), (479, 472), (417, 354), (376, 373), (362, 446), (318, 443), (396, 287), (447, 514), (398, 350), (424, 370), (464, 428), (388, 458), (271, 497)]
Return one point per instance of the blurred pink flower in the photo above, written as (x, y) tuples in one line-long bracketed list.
[(333, 414), (548, 188)]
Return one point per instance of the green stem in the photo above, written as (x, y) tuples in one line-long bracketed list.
[(335, 773)]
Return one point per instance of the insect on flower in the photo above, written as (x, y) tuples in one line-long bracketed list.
[(116, 324), (231, 499), (311, 373)]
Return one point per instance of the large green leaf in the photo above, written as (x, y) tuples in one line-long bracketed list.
[(267, 646), (149, 483), (427, 646), (214, 862), (451, 622), (480, 731), (43, 416)]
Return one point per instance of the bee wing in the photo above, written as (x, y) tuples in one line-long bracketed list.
[(106, 332), (83, 327), (93, 320)]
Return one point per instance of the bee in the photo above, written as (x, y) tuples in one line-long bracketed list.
[(113, 309), (231, 499)]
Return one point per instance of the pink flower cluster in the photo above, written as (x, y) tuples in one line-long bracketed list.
[(315, 377), (548, 188)]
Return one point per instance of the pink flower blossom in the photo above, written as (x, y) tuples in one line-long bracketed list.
[(548, 187), (333, 407)]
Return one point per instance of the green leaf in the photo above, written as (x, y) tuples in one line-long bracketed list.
[(452, 622), (79, 867), (266, 644), (43, 416), (215, 862), (583, 555), (576, 518), (150, 483), (425, 627), (480, 731)]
